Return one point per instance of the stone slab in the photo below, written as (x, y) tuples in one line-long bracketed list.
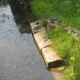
[(50, 56), (40, 39), (52, 60)]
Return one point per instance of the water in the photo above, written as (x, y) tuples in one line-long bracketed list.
[(19, 56)]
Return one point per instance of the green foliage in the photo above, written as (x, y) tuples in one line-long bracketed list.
[(41, 9)]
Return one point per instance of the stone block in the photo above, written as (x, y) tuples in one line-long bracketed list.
[(35, 26), (40, 39), (51, 59), (50, 23)]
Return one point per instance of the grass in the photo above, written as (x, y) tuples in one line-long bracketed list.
[(68, 48), (67, 11), (63, 40)]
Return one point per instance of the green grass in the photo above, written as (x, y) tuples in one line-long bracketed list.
[(69, 74), (63, 40), (63, 43), (68, 13), (67, 47)]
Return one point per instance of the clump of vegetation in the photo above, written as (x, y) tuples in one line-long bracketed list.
[(67, 11)]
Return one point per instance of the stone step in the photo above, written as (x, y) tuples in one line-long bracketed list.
[(51, 59)]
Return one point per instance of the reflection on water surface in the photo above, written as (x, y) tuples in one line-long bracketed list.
[(19, 57)]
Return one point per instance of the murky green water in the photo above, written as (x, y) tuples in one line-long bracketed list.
[(19, 56)]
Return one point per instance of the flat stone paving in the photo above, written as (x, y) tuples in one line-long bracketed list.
[(19, 56)]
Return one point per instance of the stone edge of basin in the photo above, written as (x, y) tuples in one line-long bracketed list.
[(51, 59)]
